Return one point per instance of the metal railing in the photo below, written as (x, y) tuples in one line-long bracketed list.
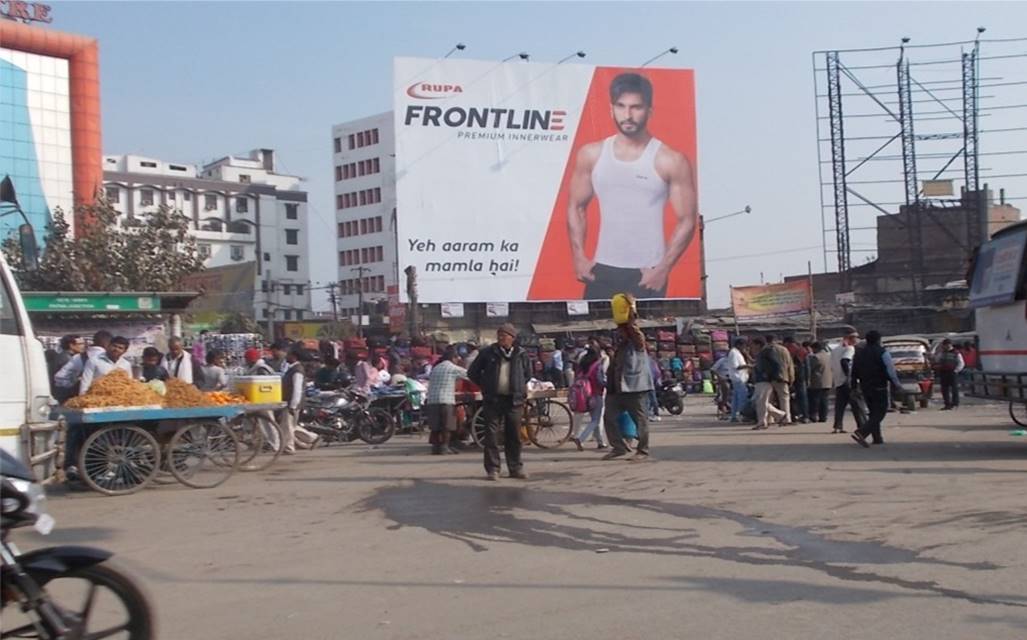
[(43, 445), (1011, 387)]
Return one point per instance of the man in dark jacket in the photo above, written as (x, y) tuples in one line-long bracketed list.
[(502, 372), (872, 370)]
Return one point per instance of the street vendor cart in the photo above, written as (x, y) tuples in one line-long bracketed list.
[(127, 448)]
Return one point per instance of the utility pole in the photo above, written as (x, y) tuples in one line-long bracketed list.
[(269, 306), (334, 301), (361, 270), (411, 273)]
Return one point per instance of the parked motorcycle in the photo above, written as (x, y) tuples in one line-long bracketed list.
[(670, 396), (346, 415), (97, 600)]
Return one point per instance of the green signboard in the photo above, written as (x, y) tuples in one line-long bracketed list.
[(98, 302)]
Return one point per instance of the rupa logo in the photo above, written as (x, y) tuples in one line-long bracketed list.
[(433, 90)]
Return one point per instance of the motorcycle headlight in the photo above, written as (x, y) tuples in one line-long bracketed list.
[(30, 501)]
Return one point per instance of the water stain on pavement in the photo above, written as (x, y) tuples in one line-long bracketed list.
[(478, 515)]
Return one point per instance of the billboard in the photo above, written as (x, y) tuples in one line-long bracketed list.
[(527, 182), (769, 300)]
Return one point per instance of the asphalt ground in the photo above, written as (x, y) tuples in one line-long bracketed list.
[(727, 533)]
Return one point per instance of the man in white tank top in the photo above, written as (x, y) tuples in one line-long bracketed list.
[(633, 175)]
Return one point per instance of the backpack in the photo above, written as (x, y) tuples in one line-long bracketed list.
[(579, 395)]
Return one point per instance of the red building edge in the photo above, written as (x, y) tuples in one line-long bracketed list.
[(82, 54)]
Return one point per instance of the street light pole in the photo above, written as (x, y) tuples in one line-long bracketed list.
[(657, 57)]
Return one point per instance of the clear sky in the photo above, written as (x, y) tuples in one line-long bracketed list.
[(191, 81)]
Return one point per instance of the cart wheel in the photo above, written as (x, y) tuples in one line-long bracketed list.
[(550, 423), (478, 427), (260, 441), (118, 460), (203, 455), (1021, 418)]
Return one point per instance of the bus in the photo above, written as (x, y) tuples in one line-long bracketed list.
[(998, 296), (26, 430)]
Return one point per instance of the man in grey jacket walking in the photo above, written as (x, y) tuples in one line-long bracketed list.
[(629, 381)]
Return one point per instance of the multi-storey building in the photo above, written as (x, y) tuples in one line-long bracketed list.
[(365, 208), (242, 210)]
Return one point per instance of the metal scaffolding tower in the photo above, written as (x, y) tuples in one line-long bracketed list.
[(841, 194)]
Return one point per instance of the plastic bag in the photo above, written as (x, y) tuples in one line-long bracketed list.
[(627, 426)]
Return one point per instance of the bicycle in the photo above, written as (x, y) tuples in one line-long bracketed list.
[(545, 423)]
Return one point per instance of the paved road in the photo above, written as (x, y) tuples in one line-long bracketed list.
[(729, 533)]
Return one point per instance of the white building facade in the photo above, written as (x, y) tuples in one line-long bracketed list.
[(364, 167), (241, 210)]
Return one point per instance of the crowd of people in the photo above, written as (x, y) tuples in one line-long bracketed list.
[(611, 384)]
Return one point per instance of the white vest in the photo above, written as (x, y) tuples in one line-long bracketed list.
[(631, 196)]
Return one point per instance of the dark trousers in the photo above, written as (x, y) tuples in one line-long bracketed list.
[(818, 404), (74, 438), (801, 399), (502, 416), (610, 281), (877, 405), (949, 388), (843, 399), (635, 404)]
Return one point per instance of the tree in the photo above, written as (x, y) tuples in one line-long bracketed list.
[(149, 253)]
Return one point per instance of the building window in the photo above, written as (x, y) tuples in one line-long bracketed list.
[(342, 258), (338, 145), (352, 141), (169, 196), (299, 314), (377, 165), (176, 167), (360, 138), (292, 211), (237, 252), (187, 196), (377, 194), (361, 168), (146, 197), (340, 230), (380, 254), (340, 201), (292, 263), (374, 136), (363, 196), (338, 172), (292, 236), (288, 314), (287, 289), (299, 289), (210, 202), (263, 286), (244, 178), (267, 257), (203, 249), (264, 311), (363, 226), (113, 194), (242, 205), (148, 165), (378, 224)]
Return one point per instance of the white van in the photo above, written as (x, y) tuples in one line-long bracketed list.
[(998, 295), (26, 430)]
